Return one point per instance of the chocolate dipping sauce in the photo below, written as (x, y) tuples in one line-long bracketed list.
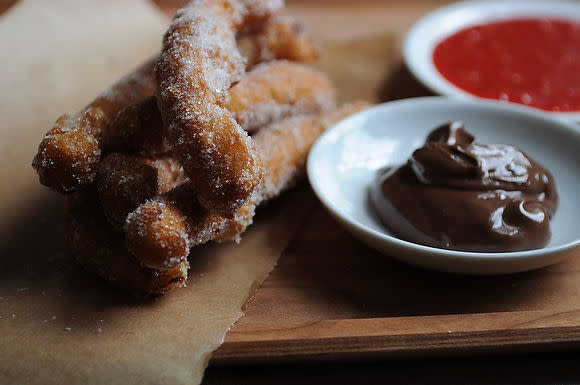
[(454, 193)]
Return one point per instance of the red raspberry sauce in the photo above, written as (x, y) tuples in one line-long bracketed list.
[(535, 62)]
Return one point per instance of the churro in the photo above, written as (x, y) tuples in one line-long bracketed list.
[(270, 92), (281, 37), (69, 154), (126, 181), (164, 161), (161, 231), (101, 250), (198, 64), (278, 89)]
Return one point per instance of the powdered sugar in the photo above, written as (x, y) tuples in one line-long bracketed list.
[(283, 146), (69, 154), (281, 37), (198, 64), (275, 90)]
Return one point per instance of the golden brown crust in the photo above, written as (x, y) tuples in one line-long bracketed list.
[(161, 231), (101, 250), (269, 92), (275, 90), (198, 64), (137, 129), (69, 153), (281, 37), (126, 181)]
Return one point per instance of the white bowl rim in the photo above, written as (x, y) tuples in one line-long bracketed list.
[(424, 35), (556, 124)]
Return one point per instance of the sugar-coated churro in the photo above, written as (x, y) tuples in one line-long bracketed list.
[(278, 89), (69, 154), (269, 92), (184, 149), (198, 64), (281, 37), (161, 231), (126, 181), (101, 250)]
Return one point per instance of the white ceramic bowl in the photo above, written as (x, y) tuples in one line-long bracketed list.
[(424, 36), (345, 159)]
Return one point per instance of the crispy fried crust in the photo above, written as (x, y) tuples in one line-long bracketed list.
[(125, 181), (161, 231), (276, 90), (69, 154), (281, 37), (198, 64), (101, 250)]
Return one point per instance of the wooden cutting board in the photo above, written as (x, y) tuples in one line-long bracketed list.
[(331, 297)]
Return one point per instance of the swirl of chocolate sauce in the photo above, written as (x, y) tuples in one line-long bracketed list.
[(455, 193)]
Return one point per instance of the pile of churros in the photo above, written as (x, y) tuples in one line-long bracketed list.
[(182, 150)]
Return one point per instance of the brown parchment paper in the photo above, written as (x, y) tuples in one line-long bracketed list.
[(360, 68), (59, 324)]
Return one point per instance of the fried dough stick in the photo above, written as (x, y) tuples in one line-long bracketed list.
[(101, 250), (269, 92), (69, 154), (199, 62), (161, 231), (278, 89), (125, 181), (281, 37)]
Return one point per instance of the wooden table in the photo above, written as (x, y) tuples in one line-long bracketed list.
[(277, 311), (459, 362)]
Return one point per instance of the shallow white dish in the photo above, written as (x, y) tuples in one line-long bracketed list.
[(345, 159), (424, 36)]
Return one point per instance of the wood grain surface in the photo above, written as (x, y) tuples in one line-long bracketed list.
[(332, 298)]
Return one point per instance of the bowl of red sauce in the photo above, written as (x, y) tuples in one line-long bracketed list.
[(513, 51)]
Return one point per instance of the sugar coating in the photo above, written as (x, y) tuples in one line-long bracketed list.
[(69, 154), (156, 230), (101, 250), (281, 37), (126, 181), (198, 64), (275, 90), (137, 129)]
